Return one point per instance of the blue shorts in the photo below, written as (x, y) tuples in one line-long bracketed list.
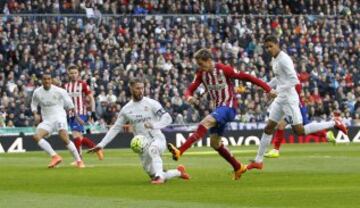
[(223, 115), (75, 126), (304, 114)]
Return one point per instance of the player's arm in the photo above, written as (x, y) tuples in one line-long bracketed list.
[(34, 106), (89, 96), (229, 71), (110, 135), (164, 117), (69, 106), (273, 83), (192, 87)]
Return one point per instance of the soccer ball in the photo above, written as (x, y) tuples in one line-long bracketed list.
[(138, 143)]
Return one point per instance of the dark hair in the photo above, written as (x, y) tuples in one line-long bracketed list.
[(72, 66), (271, 38), (203, 54), (46, 74), (136, 80)]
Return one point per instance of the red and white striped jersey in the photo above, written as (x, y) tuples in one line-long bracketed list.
[(219, 84), (78, 91)]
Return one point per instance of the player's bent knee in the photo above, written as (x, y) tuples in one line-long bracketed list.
[(36, 138), (269, 130), (215, 144)]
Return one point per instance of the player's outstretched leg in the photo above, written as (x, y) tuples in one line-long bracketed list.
[(239, 168), (336, 123), (177, 152), (90, 144)]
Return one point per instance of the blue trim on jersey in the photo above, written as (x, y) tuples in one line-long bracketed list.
[(222, 115), (75, 126)]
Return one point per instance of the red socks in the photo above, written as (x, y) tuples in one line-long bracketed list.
[(225, 153), (321, 133), (84, 141), (87, 142), (77, 142), (278, 138), (198, 134)]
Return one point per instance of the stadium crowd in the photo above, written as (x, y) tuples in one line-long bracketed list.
[(111, 50), (284, 7)]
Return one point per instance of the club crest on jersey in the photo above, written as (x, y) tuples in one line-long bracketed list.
[(146, 108)]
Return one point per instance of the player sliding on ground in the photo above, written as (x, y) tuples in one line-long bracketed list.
[(52, 101), (147, 117), (279, 135), (286, 104), (218, 79)]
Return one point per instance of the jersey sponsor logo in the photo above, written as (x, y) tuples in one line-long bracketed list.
[(217, 86), (140, 119), (75, 94)]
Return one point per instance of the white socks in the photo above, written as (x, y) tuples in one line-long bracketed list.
[(265, 141), (315, 127), (73, 151), (46, 147), (171, 174)]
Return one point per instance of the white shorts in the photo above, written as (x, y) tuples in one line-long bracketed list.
[(287, 110), (53, 126), (155, 149)]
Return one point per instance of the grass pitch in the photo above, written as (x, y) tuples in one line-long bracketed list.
[(306, 175)]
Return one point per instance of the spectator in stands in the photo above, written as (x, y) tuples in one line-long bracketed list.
[(160, 49)]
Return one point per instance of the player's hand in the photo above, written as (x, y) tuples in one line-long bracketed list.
[(272, 94), (37, 119), (192, 100), (94, 149), (148, 125)]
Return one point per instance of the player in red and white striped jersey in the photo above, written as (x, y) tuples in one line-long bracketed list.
[(80, 92), (218, 81)]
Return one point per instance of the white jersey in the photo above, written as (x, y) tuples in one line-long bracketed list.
[(52, 102), (137, 114), (285, 78)]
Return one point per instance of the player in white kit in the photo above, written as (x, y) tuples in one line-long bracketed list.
[(52, 101), (147, 117), (286, 104)]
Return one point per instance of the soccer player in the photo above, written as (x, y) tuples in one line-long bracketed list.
[(80, 92), (279, 135), (147, 117), (286, 104), (218, 79), (52, 101)]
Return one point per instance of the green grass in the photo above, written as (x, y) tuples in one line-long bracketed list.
[(307, 175)]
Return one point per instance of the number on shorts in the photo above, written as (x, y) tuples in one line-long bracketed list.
[(60, 125), (289, 119)]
